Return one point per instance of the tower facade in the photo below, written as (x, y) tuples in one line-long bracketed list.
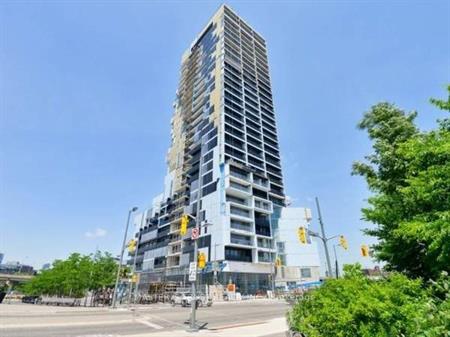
[(223, 162)]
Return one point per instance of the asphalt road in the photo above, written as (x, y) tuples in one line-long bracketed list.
[(22, 320)]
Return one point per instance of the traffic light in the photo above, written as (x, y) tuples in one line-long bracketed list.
[(278, 262), (364, 250), (134, 278), (343, 242), (132, 246), (301, 233), (201, 260), (184, 224)]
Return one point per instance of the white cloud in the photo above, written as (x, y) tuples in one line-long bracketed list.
[(97, 233)]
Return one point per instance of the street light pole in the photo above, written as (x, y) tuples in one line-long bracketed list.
[(114, 299), (193, 325), (134, 262), (324, 239)]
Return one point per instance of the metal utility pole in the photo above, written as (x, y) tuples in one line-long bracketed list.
[(193, 325), (215, 265), (336, 262), (324, 239), (134, 261), (114, 299)]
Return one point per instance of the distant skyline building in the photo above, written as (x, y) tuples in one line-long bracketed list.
[(225, 153)]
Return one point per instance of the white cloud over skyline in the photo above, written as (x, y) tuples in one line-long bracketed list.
[(97, 233)]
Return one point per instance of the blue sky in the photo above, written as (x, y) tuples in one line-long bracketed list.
[(87, 88)]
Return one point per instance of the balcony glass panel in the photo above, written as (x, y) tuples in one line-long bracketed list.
[(235, 172), (243, 226), (239, 186), (238, 254), (265, 257), (240, 239), (240, 212), (237, 200), (261, 182), (262, 205), (264, 243)]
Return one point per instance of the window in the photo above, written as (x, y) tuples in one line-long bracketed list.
[(305, 272), (259, 193), (212, 144), (238, 254), (265, 257), (207, 178), (208, 167), (208, 156), (209, 189)]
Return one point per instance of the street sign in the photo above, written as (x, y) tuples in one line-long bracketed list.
[(192, 271), (195, 233)]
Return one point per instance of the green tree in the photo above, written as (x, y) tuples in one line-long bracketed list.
[(409, 174), (104, 269), (74, 276)]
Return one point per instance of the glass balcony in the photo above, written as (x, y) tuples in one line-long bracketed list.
[(240, 240), (237, 200), (240, 225), (239, 175), (239, 212), (239, 187), (261, 182), (265, 243), (262, 205), (265, 257)]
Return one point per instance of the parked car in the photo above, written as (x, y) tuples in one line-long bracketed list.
[(185, 300), (30, 299)]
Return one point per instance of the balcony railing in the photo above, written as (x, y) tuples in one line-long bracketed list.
[(237, 200), (240, 212), (261, 182), (264, 258), (243, 242), (241, 226), (239, 175), (264, 244), (262, 205), (239, 187)]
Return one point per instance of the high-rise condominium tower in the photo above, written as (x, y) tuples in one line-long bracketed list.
[(225, 148)]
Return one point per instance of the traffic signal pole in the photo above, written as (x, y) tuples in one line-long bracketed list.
[(134, 263), (193, 324), (324, 239), (336, 261), (114, 299)]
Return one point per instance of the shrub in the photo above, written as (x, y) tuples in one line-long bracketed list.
[(355, 306)]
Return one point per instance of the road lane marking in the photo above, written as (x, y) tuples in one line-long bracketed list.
[(50, 325), (152, 325), (163, 320), (237, 325)]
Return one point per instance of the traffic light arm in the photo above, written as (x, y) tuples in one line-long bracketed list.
[(201, 225), (317, 235)]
